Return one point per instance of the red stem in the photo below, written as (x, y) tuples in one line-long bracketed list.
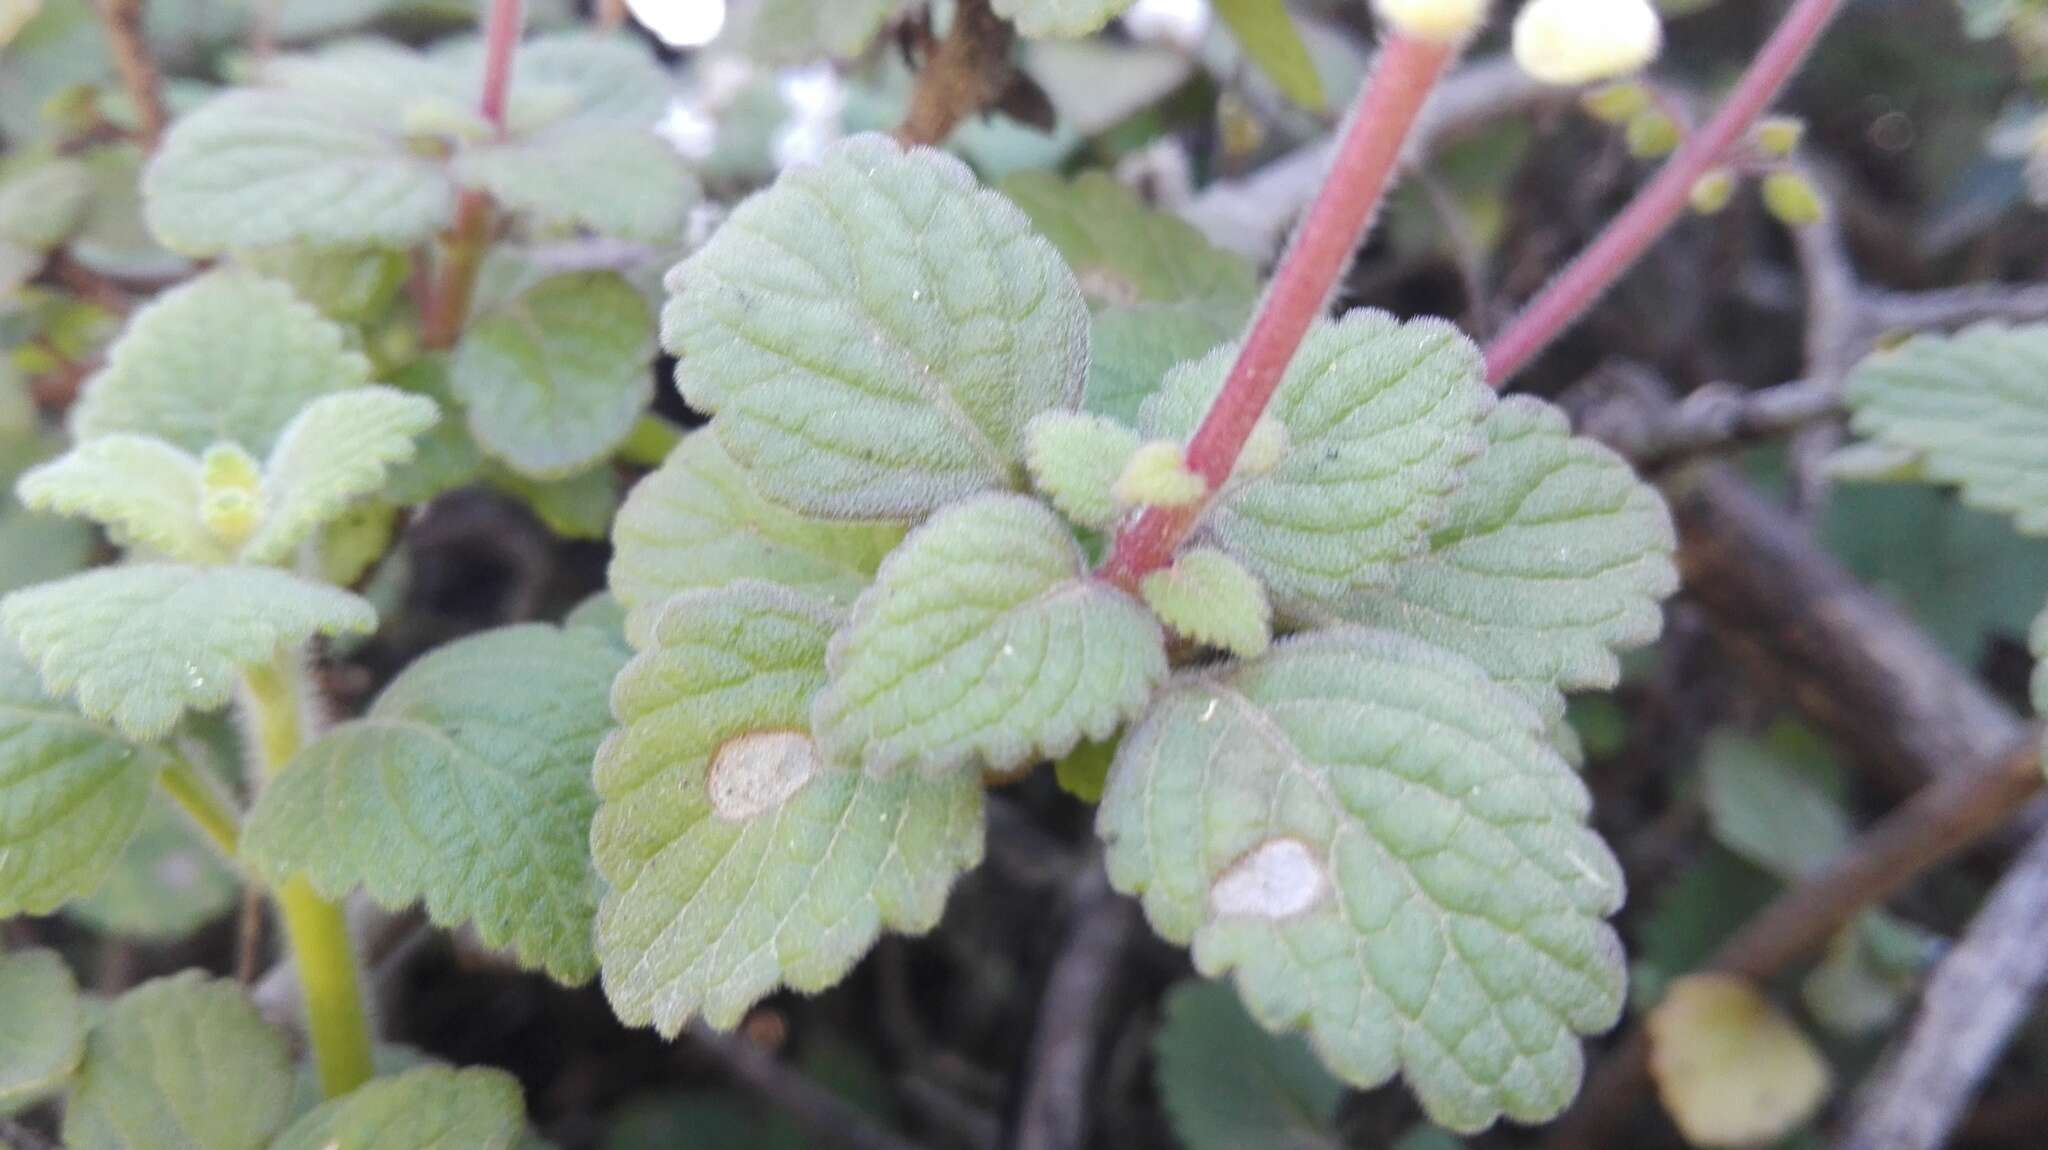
[(501, 36), (462, 247), (1660, 202), (1368, 154)]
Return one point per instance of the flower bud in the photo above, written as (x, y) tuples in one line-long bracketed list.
[(1713, 191), (1158, 476), (1572, 42), (1441, 21)]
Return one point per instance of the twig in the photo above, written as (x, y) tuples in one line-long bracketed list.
[(1983, 990), (1369, 151), (122, 20), (1952, 307), (1057, 1102), (825, 1117), (1662, 200), (1833, 344), (1716, 417), (963, 75), (1947, 817)]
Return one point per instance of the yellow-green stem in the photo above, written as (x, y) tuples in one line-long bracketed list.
[(314, 927), (204, 802)]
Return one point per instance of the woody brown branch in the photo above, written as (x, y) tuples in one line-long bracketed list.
[(122, 20), (964, 74)]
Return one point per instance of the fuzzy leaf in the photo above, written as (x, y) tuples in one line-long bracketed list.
[(738, 857), (782, 32), (1973, 406), (1766, 802), (1066, 18), (466, 786), (182, 1063), (984, 642), (341, 448), (1732, 1071), (1208, 597), (1134, 347), (1552, 557), (260, 167), (44, 1036), (1076, 459), (42, 203), (698, 523), (1227, 1085), (165, 886), (1377, 840), (144, 491), (71, 794), (554, 379), (431, 1108), (139, 646), (874, 332), (1121, 251), (1382, 417), (34, 548), (353, 285), (1267, 34), (616, 180), (226, 357)]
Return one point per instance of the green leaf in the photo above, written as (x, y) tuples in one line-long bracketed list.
[(1208, 597), (985, 643), (340, 449), (352, 285), (621, 181), (1068, 18), (139, 646), (227, 357), (431, 1108), (1972, 406), (698, 523), (1122, 252), (42, 203), (1267, 34), (1084, 770), (44, 1037), (781, 32), (554, 379), (113, 239), (181, 1063), (577, 507), (1767, 802), (1550, 558), (145, 491), (1228, 1085), (874, 332), (71, 794), (259, 167), (589, 79), (1376, 839), (164, 887), (467, 787), (1381, 416), (738, 857), (1075, 459)]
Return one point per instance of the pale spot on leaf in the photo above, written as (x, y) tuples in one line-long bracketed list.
[(758, 772), (1276, 879)]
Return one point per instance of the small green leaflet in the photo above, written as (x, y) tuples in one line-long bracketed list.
[(1267, 34), (1075, 459), (874, 332), (181, 1062), (615, 180), (44, 1036), (1767, 801), (1552, 557), (431, 1108), (42, 202), (1382, 417), (799, 31), (554, 379), (1228, 1085), (1376, 839), (1208, 597), (698, 523), (1973, 406), (466, 786), (143, 490), (1067, 18), (71, 794), (229, 356), (141, 645), (738, 857), (985, 643), (1122, 252)]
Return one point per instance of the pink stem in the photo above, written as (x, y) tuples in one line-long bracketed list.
[(501, 37), (462, 248), (1660, 202), (1368, 154)]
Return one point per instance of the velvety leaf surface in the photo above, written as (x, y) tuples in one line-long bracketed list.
[(141, 645), (616, 180), (984, 642), (1382, 418), (143, 490), (1208, 597), (1122, 251), (697, 523), (431, 1108), (466, 786), (71, 794), (1376, 840), (166, 885), (42, 1026), (1075, 459), (181, 1063), (738, 857), (874, 331)]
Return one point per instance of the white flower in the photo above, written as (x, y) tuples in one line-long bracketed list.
[(1444, 21), (1581, 41)]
